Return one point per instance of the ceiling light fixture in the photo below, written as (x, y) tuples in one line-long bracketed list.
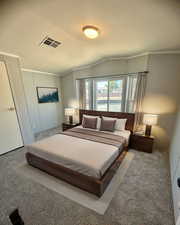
[(91, 31)]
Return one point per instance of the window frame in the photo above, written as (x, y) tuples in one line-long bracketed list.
[(108, 79)]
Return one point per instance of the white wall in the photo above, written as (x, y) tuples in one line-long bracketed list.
[(47, 115), (175, 148), (175, 166), (15, 77)]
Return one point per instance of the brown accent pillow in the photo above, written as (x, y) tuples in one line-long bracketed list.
[(89, 122), (108, 125)]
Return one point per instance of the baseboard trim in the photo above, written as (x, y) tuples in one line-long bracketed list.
[(11, 151)]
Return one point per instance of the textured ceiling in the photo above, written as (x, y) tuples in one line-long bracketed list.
[(127, 27)]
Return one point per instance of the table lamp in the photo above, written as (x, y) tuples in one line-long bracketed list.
[(69, 112), (149, 120)]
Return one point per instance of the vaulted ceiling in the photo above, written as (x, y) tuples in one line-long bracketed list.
[(127, 27)]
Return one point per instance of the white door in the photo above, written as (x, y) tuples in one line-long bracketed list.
[(10, 134)]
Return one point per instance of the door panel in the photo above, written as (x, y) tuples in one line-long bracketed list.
[(10, 135)]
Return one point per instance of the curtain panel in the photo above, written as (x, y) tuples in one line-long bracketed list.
[(82, 93), (138, 99)]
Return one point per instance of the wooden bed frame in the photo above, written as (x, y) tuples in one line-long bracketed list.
[(87, 183)]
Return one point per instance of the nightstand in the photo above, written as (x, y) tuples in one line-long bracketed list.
[(66, 126), (142, 143)]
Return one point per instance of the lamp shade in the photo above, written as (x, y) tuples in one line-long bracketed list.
[(150, 119), (69, 111)]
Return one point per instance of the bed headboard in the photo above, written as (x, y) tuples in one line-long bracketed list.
[(129, 116)]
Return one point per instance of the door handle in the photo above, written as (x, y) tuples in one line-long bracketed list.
[(11, 109), (178, 182)]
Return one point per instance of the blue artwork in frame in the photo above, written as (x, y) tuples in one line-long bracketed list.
[(47, 94)]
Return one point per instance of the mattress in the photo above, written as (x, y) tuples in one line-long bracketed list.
[(84, 156)]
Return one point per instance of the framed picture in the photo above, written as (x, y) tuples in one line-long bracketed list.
[(47, 94)]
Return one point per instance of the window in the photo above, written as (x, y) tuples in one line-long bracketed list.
[(114, 94), (108, 95), (101, 95)]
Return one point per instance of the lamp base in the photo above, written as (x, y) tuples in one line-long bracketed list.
[(70, 119), (148, 130)]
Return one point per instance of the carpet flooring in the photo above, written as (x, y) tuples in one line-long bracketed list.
[(75, 194), (142, 198)]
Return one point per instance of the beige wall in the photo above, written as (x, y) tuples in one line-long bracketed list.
[(104, 68), (161, 93), (137, 64), (68, 91)]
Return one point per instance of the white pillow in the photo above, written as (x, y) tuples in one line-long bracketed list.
[(98, 120), (120, 123)]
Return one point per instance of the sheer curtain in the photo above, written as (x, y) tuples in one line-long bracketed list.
[(82, 93), (138, 98), (130, 93), (85, 93)]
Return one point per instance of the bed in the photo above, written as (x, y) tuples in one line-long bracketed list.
[(83, 157)]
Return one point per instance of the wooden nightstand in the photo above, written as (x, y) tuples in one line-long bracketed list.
[(66, 126), (142, 143)]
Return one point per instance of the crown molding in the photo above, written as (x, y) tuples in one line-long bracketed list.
[(99, 61), (153, 53), (105, 59), (9, 54), (87, 66), (164, 52), (38, 71), (112, 58), (66, 72), (138, 55)]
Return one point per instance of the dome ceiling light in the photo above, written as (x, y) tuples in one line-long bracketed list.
[(90, 31)]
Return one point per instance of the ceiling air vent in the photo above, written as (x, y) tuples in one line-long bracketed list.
[(50, 42)]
